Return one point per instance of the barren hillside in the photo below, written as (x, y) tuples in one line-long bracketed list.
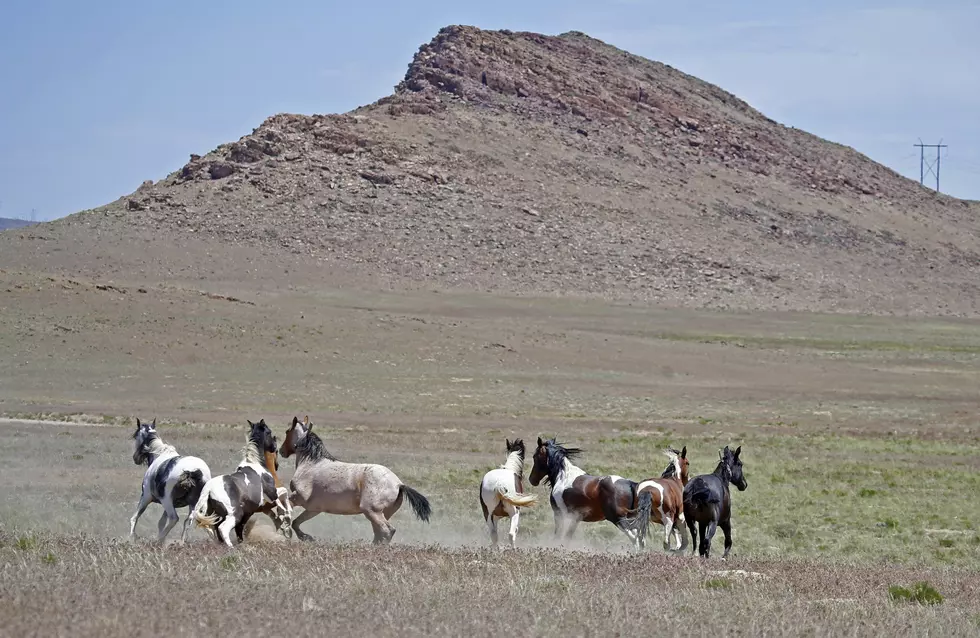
[(518, 162)]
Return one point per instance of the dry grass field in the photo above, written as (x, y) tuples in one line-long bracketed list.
[(858, 436)]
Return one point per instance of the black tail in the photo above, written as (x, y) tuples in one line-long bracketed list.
[(418, 502), (188, 488), (190, 480), (639, 519)]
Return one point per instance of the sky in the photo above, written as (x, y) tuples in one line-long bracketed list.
[(96, 97)]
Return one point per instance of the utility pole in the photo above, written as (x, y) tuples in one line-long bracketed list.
[(933, 167)]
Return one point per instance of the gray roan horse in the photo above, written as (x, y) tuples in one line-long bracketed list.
[(322, 484), (228, 501), (170, 479), (707, 501)]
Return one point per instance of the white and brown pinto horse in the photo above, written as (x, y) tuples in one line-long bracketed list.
[(228, 501), (323, 485), (501, 492), (661, 500), (580, 497)]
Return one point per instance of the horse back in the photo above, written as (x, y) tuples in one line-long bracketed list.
[(704, 496)]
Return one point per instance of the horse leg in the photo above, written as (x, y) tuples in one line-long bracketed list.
[(225, 528), (570, 524), (515, 518), (692, 527), (383, 531), (706, 537), (302, 518), (240, 527), (187, 522), (668, 527), (145, 500), (492, 527), (169, 515), (726, 529)]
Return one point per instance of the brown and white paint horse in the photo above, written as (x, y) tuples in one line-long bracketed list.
[(661, 500), (228, 501), (501, 492), (577, 496)]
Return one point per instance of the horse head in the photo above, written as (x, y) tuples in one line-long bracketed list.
[(517, 445), (540, 458), (549, 460), (294, 435), (264, 439), (734, 464), (144, 433)]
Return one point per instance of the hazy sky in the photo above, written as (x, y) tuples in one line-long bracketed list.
[(96, 97)]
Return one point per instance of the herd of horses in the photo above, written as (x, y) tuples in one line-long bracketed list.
[(321, 483)]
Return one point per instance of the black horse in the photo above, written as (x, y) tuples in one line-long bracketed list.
[(707, 501)]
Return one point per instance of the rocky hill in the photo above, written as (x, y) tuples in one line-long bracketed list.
[(519, 162)]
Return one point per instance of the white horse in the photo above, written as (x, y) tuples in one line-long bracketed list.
[(501, 492), (170, 479)]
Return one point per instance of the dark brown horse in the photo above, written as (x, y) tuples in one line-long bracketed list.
[(661, 500), (577, 496), (708, 503)]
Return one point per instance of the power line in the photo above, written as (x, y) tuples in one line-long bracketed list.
[(932, 166)]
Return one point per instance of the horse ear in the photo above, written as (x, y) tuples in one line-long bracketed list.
[(306, 420), (138, 424), (295, 421), (250, 424), (738, 450), (508, 443), (154, 424), (684, 452), (540, 442)]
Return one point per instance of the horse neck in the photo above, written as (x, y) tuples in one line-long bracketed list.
[(723, 472), (514, 464), (156, 448), (569, 470), (270, 464)]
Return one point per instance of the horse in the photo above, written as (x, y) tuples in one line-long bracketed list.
[(228, 501), (322, 484), (577, 496), (170, 479), (662, 501), (707, 501), (267, 444), (501, 492)]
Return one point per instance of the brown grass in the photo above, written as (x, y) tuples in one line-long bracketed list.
[(103, 587)]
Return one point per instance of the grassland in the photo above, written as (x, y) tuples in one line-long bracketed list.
[(859, 440)]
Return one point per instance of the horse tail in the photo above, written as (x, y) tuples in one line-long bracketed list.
[(639, 519), (200, 516), (517, 499), (189, 479), (418, 502)]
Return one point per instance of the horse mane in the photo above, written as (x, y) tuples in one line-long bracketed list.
[(251, 454), (724, 469), (514, 463), (674, 469), (153, 445), (311, 448), (557, 455)]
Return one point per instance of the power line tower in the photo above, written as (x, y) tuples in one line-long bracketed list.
[(932, 167)]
